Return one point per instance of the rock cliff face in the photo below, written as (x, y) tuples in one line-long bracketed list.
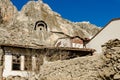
[(17, 27), (7, 11), (90, 28), (7, 15)]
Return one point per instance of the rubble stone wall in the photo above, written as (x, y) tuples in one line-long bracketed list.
[(111, 57), (96, 67)]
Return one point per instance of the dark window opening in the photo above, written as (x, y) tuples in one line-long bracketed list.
[(16, 59), (16, 67)]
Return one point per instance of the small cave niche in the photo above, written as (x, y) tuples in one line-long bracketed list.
[(41, 25)]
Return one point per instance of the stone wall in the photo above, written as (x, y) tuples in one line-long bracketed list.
[(82, 68), (111, 67), (96, 67)]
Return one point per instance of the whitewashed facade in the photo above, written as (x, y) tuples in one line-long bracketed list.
[(67, 42), (110, 31), (20, 61), (77, 45), (8, 71)]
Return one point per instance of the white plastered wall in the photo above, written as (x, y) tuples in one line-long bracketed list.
[(76, 45), (7, 71), (111, 31)]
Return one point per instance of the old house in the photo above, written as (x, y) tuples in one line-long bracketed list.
[(68, 41), (75, 42), (19, 60), (110, 31)]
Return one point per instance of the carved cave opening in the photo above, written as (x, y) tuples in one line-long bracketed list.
[(41, 25)]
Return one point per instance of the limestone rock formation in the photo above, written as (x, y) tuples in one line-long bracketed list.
[(7, 11), (17, 27), (7, 15), (90, 28)]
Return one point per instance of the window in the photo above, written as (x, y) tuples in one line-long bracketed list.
[(16, 59), (17, 62)]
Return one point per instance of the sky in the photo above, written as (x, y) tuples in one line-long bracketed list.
[(98, 12)]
